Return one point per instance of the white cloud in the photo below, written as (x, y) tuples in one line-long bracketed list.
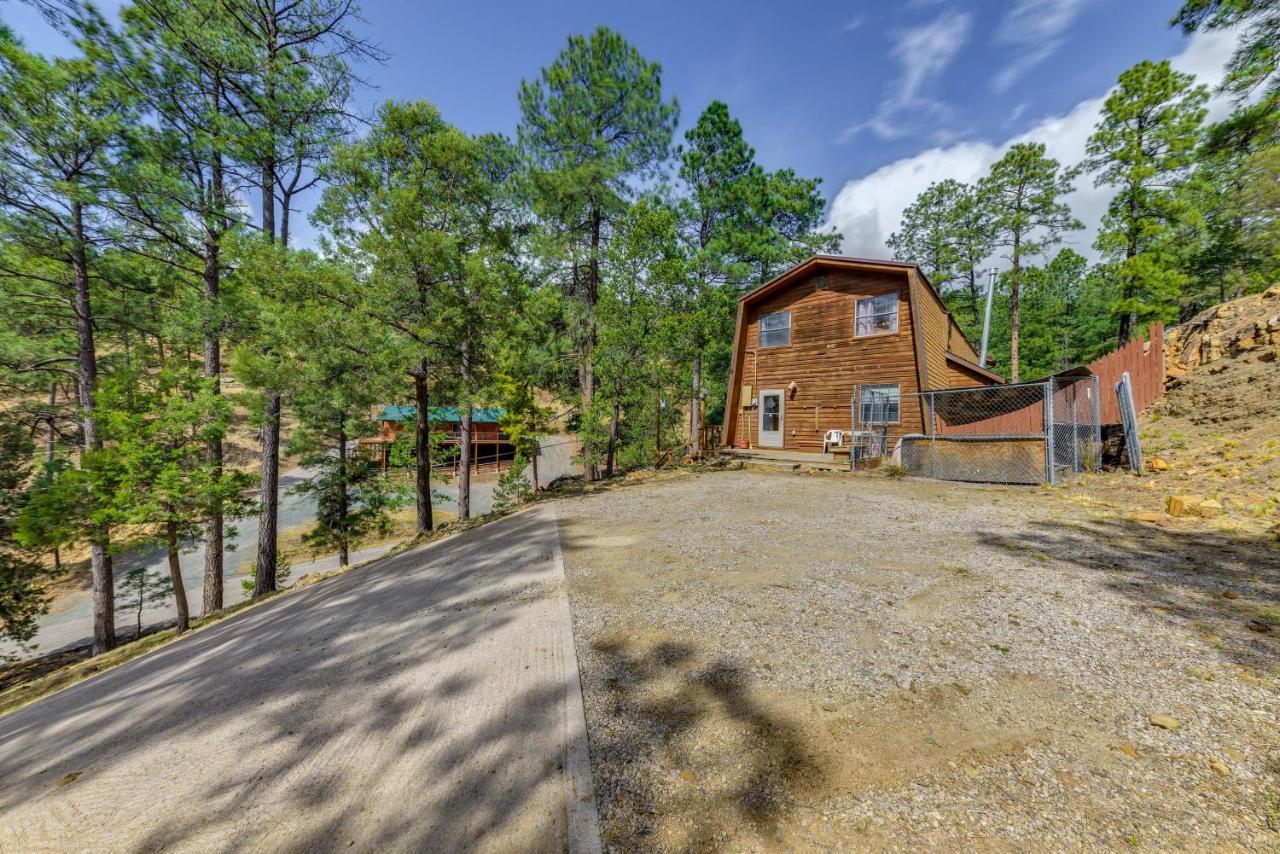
[(867, 210), (1034, 30), (923, 53)]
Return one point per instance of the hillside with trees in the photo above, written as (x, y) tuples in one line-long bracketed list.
[(147, 186)]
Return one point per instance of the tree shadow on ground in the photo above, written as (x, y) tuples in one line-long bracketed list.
[(277, 728), (1219, 583), (690, 752)]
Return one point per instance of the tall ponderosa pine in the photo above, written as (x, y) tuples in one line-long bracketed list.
[(592, 124), (61, 123), (291, 93), (1225, 262), (1023, 193), (947, 232), (181, 193), (927, 235), (739, 224), (716, 169), (1143, 145)]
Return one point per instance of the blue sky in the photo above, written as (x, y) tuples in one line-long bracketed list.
[(871, 97)]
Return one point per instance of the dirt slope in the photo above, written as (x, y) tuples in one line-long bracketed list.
[(1216, 432)]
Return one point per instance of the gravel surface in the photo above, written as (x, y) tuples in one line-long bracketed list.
[(788, 661)]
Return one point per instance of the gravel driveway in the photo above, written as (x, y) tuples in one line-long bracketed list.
[(791, 662)]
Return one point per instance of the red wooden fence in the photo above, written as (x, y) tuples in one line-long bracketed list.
[(1144, 360)]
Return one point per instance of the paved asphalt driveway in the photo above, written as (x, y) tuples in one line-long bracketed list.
[(427, 702)]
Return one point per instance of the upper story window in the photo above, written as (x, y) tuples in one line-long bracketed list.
[(775, 329), (877, 315)]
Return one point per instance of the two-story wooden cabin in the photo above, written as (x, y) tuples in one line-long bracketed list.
[(805, 340)]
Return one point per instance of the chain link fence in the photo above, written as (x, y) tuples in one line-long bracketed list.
[(873, 412), (1023, 433)]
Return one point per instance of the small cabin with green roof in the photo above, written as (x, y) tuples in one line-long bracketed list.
[(490, 446)]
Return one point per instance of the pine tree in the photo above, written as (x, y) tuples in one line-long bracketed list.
[(1143, 145), (22, 598), (1257, 59), (61, 127), (592, 124), (426, 210), (928, 233), (1023, 195)]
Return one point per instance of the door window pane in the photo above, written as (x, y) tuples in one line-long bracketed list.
[(770, 414)]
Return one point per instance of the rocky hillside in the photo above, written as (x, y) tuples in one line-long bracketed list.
[(1217, 430), (1212, 443)]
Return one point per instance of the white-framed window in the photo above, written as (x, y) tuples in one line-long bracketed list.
[(775, 329), (876, 315), (879, 403)]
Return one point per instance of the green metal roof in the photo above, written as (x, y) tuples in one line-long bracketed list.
[(408, 412)]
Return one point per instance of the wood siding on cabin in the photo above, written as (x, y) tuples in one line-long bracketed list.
[(961, 347), (824, 359), (935, 324), (959, 376)]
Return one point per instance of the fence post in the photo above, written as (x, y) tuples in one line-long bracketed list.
[(1097, 423), (933, 438), (1074, 397), (853, 430), (1048, 431)]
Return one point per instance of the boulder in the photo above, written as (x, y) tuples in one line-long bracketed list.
[(1183, 505), (1208, 509)]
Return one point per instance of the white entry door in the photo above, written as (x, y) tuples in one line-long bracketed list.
[(771, 420)]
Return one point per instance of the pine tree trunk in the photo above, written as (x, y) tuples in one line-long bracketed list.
[(422, 450), (104, 619), (589, 341), (212, 599), (464, 470), (695, 413), (50, 448), (175, 577), (344, 504), (264, 580), (975, 299)]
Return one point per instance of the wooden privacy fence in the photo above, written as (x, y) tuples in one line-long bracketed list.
[(1144, 360)]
